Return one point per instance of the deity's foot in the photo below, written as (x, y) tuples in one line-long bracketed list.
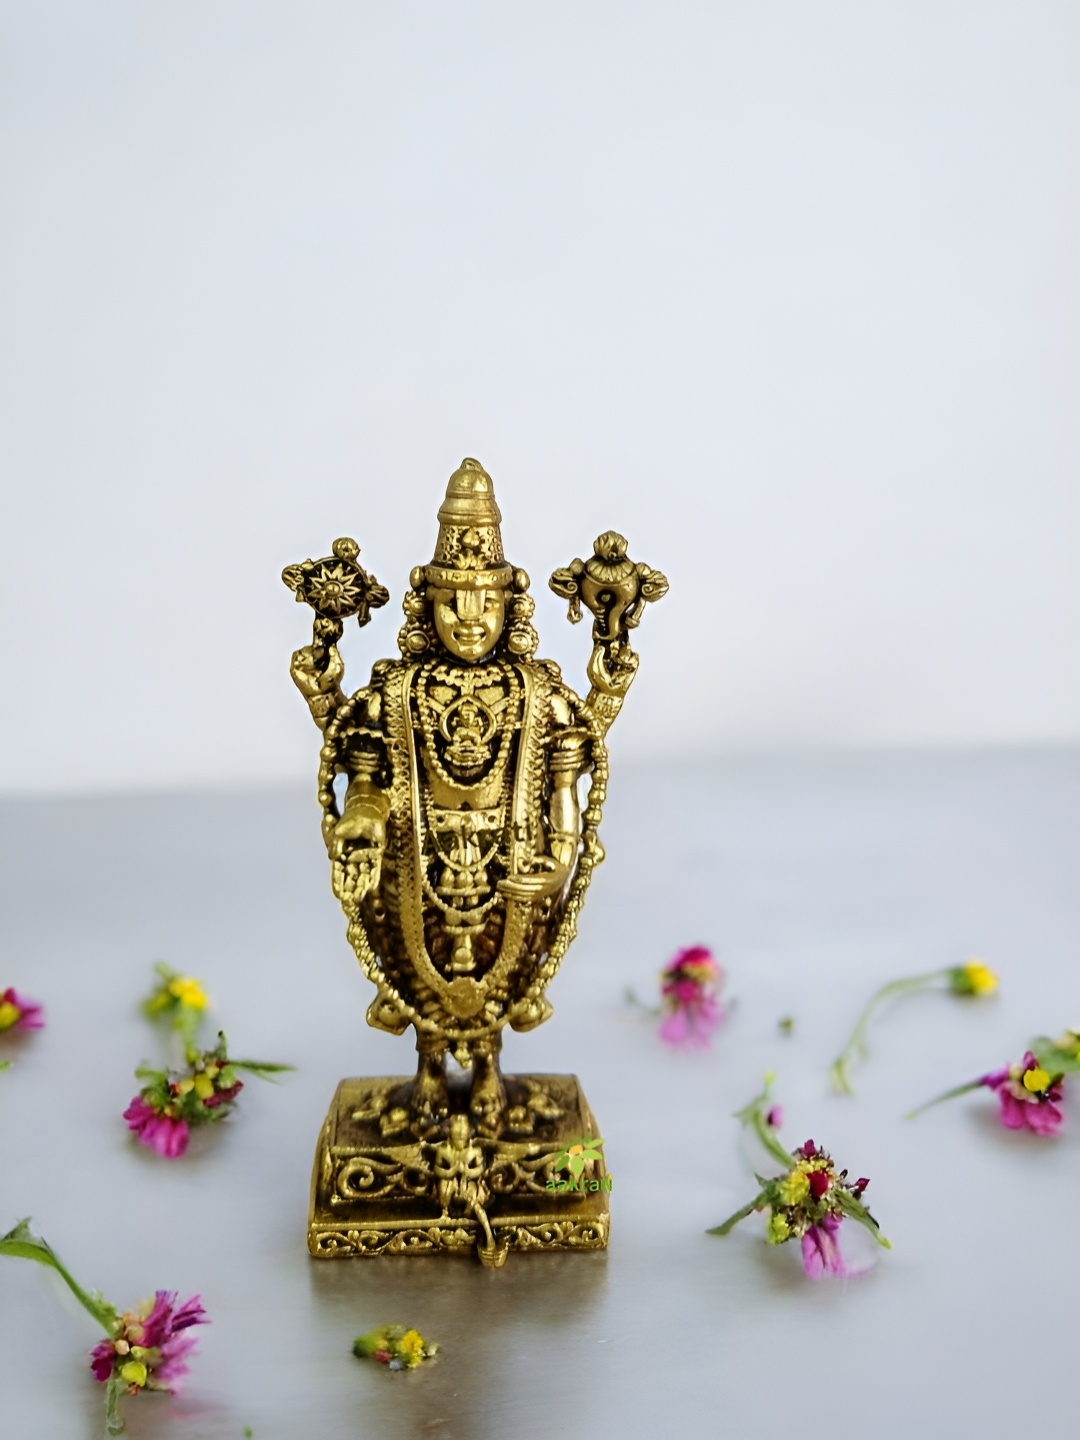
[(430, 1098), (487, 1099)]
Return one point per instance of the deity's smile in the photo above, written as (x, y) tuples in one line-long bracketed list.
[(468, 634)]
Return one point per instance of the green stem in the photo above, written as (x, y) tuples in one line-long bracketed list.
[(262, 1069), (768, 1137), (23, 1245), (631, 998), (948, 1095), (856, 1045), (733, 1220), (114, 1388), (753, 1115)]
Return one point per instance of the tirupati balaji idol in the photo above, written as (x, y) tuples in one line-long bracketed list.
[(461, 847)]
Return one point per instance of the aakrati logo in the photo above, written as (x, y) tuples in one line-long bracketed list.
[(578, 1157)]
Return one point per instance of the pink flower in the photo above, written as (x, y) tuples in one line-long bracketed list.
[(1030, 1098), (688, 986), (165, 1134), (17, 1012), (150, 1348), (820, 1249)]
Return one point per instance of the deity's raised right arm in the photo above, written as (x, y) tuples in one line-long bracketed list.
[(337, 587)]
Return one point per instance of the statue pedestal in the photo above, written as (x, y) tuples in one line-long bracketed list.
[(375, 1188)]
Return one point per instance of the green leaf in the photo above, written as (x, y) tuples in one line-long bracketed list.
[(853, 1207), (21, 1244), (1052, 1057), (577, 1164), (733, 1220), (381, 1338)]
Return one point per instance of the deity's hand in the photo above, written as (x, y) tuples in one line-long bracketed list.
[(309, 679), (611, 669), (355, 875), (534, 885), (357, 842), (364, 823)]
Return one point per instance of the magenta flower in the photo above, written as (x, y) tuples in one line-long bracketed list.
[(172, 1103), (1030, 1097), (18, 1012), (821, 1250), (144, 1349), (166, 1134), (688, 986), (149, 1348), (808, 1201)]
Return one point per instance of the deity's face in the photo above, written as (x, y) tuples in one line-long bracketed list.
[(468, 622)]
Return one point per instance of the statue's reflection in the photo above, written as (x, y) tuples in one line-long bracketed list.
[(510, 1339)]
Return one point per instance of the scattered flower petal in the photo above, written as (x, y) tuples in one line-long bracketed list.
[(166, 1134), (973, 978), (144, 1349), (688, 986), (172, 1103), (808, 1202), (395, 1347), (19, 1012), (1029, 1096)]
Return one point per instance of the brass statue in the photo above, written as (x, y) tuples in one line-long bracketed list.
[(460, 853)]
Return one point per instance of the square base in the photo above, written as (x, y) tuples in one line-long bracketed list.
[(375, 1191)]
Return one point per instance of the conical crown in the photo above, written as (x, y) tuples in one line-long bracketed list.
[(469, 549)]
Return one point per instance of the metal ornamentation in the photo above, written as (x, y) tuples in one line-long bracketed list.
[(460, 850)]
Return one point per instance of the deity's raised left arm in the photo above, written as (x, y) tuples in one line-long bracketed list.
[(615, 589)]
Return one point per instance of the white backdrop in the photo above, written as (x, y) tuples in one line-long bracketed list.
[(786, 291)]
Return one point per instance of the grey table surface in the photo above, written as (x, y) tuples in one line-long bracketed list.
[(814, 879)]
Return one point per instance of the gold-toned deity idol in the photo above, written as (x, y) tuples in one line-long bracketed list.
[(461, 853)]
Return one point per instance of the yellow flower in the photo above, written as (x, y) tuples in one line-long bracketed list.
[(1036, 1080), (134, 1373), (204, 1087), (778, 1230), (411, 1347), (189, 992), (794, 1188), (8, 1015), (979, 979)]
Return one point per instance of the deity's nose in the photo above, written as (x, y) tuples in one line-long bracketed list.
[(470, 604)]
